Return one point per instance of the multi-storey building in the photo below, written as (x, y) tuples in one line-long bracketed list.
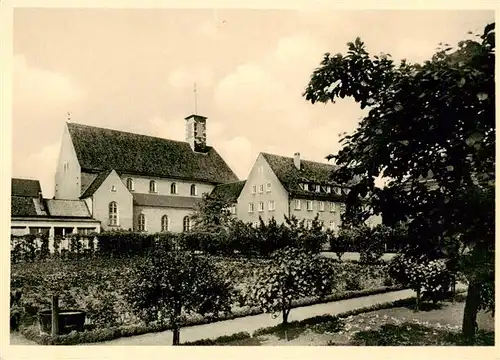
[(138, 182)]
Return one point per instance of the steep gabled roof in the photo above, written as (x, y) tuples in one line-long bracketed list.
[(94, 185), (25, 187), (230, 191), (182, 202), (311, 172), (99, 149)]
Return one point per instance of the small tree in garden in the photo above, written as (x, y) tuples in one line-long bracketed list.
[(176, 283), (293, 274), (212, 215), (428, 278)]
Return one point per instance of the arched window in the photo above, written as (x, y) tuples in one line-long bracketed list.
[(113, 213), (186, 224), (164, 223), (141, 223), (173, 188), (152, 186), (130, 184), (194, 191)]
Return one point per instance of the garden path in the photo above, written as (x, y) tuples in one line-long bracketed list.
[(252, 323)]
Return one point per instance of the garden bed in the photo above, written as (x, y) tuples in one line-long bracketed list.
[(96, 285)]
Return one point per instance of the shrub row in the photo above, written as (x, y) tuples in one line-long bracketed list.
[(220, 340), (99, 335)]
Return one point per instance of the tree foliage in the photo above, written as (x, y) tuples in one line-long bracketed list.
[(175, 283), (430, 130), (292, 274)]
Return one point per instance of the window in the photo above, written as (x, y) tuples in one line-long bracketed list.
[(254, 189), (85, 231), (309, 205), (261, 188), (332, 207), (152, 186), (186, 224), (250, 207), (271, 205), (332, 225), (297, 204), (130, 184), (309, 223), (233, 209), (301, 186), (261, 206), (113, 188), (318, 188), (321, 206), (164, 223), (306, 187), (141, 223), (346, 191), (337, 191), (113, 213), (328, 189), (194, 191), (173, 188), (268, 187)]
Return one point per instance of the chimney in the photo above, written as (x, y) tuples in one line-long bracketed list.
[(196, 132), (296, 160), (41, 201)]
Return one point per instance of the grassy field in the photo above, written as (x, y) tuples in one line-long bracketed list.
[(400, 326)]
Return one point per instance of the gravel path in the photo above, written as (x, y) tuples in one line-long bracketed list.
[(252, 323)]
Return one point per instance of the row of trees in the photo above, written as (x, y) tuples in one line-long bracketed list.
[(174, 284), (430, 131)]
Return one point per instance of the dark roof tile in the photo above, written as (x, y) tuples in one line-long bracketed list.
[(22, 206), (25, 187), (94, 185), (101, 149), (183, 202), (230, 191), (311, 172)]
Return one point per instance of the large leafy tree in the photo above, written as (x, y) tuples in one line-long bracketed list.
[(213, 214), (430, 130), (176, 283)]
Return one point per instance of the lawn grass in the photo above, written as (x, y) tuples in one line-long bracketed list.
[(397, 326)]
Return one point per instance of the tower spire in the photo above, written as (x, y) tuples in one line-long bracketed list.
[(68, 114)]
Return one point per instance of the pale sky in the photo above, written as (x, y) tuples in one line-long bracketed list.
[(134, 70)]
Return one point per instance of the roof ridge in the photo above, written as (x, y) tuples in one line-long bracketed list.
[(291, 158), (129, 132)]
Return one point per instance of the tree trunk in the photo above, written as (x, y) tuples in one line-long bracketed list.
[(417, 302), (471, 309), (177, 335), (285, 316)]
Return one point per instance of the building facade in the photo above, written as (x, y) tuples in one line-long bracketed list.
[(33, 214), (138, 182), (279, 187)]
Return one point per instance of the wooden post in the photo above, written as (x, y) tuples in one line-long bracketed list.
[(55, 315)]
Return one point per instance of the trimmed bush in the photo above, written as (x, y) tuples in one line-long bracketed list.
[(220, 340)]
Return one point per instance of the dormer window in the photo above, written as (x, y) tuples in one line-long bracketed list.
[(306, 187), (173, 188), (318, 188), (130, 184), (346, 191), (328, 189), (301, 186), (338, 191), (194, 191), (152, 186)]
